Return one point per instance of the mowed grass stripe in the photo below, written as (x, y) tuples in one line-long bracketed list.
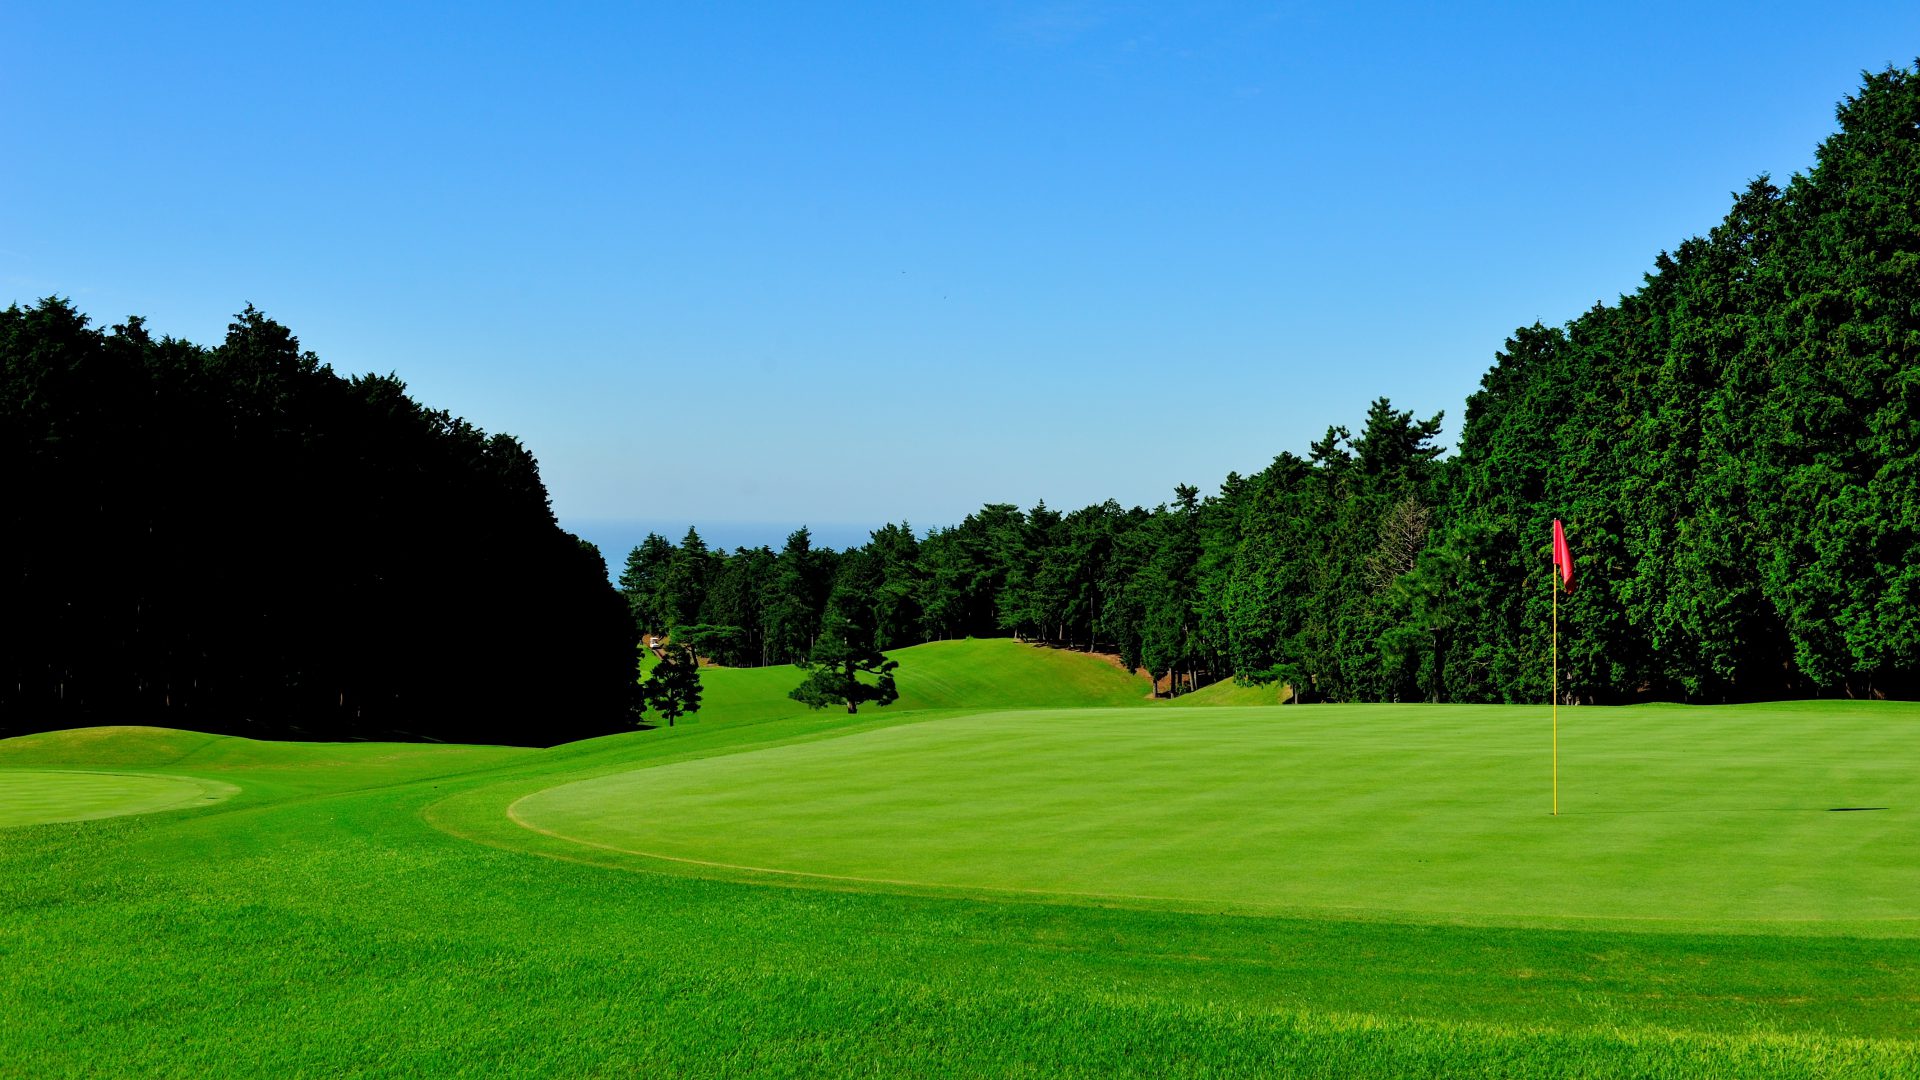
[(1696, 816)]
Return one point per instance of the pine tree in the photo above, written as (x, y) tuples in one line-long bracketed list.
[(843, 653), (673, 690)]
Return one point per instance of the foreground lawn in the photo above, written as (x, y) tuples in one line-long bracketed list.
[(372, 910)]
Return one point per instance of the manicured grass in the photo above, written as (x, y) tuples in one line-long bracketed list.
[(372, 910), (39, 796), (1434, 810)]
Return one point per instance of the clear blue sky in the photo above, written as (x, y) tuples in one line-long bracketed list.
[(750, 266)]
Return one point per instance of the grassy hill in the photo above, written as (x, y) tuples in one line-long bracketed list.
[(1228, 692), (977, 673), (984, 673), (390, 910)]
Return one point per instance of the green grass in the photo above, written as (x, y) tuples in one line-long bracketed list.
[(371, 910), (1425, 810), (986, 673), (1229, 692), (40, 796)]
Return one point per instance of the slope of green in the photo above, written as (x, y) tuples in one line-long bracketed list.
[(371, 910), (1228, 692), (1000, 673), (259, 769), (984, 673)]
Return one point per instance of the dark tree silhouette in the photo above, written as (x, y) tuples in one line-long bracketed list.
[(673, 690), (236, 539)]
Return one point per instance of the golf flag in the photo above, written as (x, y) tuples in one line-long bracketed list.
[(1563, 567), (1562, 558)]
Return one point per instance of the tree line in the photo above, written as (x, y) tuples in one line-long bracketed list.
[(1735, 448), (236, 539)]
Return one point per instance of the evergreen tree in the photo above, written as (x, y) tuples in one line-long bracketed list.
[(688, 573), (843, 653), (795, 599), (644, 583), (673, 688)]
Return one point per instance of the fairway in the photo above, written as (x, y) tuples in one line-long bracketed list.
[(1683, 817), (37, 796), (1354, 891)]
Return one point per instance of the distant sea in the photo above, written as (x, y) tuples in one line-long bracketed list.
[(617, 537)]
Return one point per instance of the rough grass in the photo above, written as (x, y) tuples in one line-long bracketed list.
[(371, 911)]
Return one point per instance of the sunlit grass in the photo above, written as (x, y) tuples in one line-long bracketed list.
[(371, 910)]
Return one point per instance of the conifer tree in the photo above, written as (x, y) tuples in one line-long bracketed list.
[(843, 652), (673, 690)]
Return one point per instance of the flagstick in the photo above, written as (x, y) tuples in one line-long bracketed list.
[(1556, 696)]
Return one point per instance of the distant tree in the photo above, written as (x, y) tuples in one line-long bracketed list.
[(673, 689), (942, 598), (844, 652), (688, 573), (736, 597), (644, 583), (893, 558), (1085, 552), (713, 642), (795, 594)]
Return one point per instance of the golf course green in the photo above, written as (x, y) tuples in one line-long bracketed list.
[(33, 797), (1434, 810), (1045, 873)]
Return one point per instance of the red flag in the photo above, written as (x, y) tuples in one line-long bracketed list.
[(1562, 558)]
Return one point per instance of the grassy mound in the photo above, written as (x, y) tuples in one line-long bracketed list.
[(140, 747), (985, 673), (1228, 692)]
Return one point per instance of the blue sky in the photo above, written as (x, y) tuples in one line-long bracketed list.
[(749, 266)]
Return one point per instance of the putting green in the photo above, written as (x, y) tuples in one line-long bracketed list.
[(40, 796), (1695, 815)]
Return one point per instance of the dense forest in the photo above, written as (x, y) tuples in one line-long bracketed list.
[(1735, 448), (236, 539)]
